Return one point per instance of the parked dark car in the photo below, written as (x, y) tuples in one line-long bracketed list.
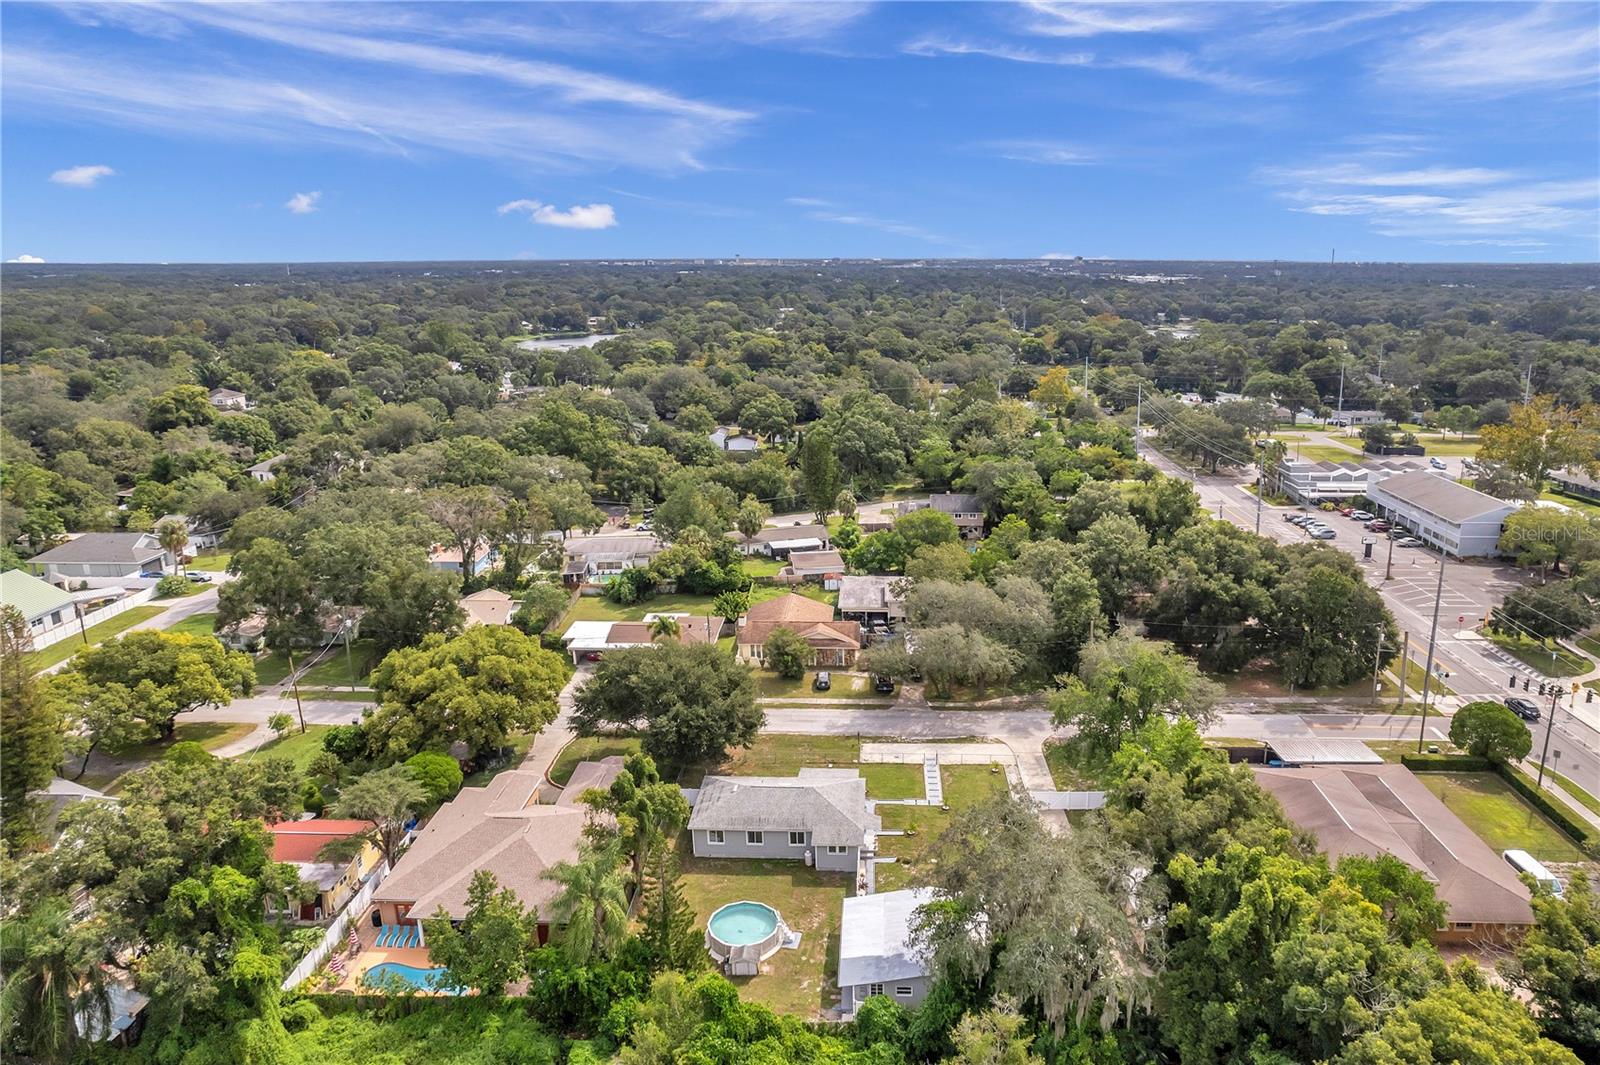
[(883, 685), (822, 682), (1523, 708)]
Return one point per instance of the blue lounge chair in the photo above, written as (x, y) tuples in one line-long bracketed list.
[(412, 939), (390, 934), (383, 936)]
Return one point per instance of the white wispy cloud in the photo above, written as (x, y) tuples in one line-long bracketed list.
[(26, 259), (579, 216), (333, 109), (1480, 50), (1091, 20), (81, 177), (1442, 203), (778, 20), (1179, 66), (824, 211), (1046, 152), (303, 202)]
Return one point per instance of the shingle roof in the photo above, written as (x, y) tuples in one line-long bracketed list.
[(1384, 809), (874, 937), (788, 609), (956, 502), (816, 562), (619, 545), (488, 607), (30, 595), (1440, 496), (831, 804), (497, 828), (586, 775), (122, 548)]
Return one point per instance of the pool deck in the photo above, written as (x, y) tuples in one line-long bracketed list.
[(371, 955)]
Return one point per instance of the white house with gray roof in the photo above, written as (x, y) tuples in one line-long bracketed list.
[(1458, 520), (101, 554), (876, 956), (820, 816), (872, 598)]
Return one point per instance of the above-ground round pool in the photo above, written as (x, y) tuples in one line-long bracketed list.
[(420, 979), (742, 935)]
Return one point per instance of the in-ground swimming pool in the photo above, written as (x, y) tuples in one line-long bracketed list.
[(421, 979), (742, 935)]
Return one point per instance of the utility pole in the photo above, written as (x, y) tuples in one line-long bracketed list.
[(1261, 490), (1377, 661), (1544, 755), (1405, 667), (1340, 417), (349, 663), (1086, 375), (1388, 566), (1427, 675)]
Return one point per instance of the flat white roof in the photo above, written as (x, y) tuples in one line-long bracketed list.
[(1316, 751)]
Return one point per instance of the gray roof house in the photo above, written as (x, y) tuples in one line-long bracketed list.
[(265, 470), (872, 598), (964, 508), (875, 952), (820, 816), (97, 554), (597, 559)]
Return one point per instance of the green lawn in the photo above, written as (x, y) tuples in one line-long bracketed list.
[(800, 982), (1582, 506), (893, 780), (1326, 453), (519, 742), (1454, 448), (196, 625), (1537, 655), (1393, 750), (1570, 786), (761, 566), (1500, 816), (215, 563), (964, 785), (843, 686), (589, 749), (62, 650), (334, 670), (189, 588), (340, 695), (271, 668), (299, 747), (209, 734)]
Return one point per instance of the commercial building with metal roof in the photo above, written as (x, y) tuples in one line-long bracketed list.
[(1310, 750), (1451, 517)]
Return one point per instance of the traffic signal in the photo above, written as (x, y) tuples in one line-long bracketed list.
[(1512, 681)]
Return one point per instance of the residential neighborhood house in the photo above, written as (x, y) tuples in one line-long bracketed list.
[(53, 615), (728, 438), (262, 471), (872, 600), (299, 843), (1385, 809), (964, 508), (876, 956), (447, 557), (833, 643), (229, 399), (824, 566), (201, 538), (597, 559), (490, 606), (820, 817), (590, 639), (498, 827), (101, 554), (779, 540)]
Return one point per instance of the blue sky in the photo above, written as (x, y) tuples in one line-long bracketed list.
[(195, 132)]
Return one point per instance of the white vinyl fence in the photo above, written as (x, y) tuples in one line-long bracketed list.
[(71, 629), (334, 938)]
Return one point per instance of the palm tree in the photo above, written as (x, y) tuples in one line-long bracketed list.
[(173, 537), (664, 627), (51, 976), (593, 904)]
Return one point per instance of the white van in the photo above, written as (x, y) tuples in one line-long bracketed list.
[(1523, 862)]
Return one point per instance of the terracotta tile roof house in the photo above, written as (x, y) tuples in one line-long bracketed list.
[(1385, 809), (822, 814), (299, 842), (497, 827), (488, 607), (833, 643)]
